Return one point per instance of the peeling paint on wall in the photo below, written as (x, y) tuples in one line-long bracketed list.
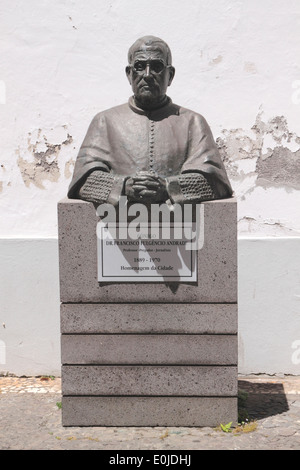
[(45, 150), (69, 167), (282, 168), (279, 160), (261, 161), (269, 152)]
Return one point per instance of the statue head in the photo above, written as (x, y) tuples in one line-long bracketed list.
[(149, 70)]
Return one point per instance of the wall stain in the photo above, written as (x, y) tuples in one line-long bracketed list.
[(45, 154), (250, 67), (216, 61), (3, 169)]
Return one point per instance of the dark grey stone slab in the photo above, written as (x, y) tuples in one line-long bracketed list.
[(149, 318), (150, 380), (148, 411), (217, 260), (149, 349)]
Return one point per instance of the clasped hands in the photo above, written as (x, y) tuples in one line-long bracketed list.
[(146, 187)]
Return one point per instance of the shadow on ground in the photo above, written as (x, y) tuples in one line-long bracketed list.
[(261, 400)]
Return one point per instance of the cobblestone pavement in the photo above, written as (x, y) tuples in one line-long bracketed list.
[(31, 419)]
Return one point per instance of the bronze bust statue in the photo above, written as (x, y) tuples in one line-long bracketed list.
[(149, 149)]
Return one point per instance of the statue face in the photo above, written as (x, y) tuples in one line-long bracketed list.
[(150, 75)]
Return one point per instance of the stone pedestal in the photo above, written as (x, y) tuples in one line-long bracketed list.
[(148, 354)]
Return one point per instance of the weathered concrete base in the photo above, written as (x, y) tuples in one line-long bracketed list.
[(148, 354), (148, 411)]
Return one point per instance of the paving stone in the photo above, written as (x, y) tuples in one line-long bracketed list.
[(33, 421)]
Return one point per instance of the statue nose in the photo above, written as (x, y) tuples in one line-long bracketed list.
[(147, 70)]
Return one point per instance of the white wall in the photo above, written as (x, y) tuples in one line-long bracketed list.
[(269, 298), (269, 301), (29, 320), (237, 63)]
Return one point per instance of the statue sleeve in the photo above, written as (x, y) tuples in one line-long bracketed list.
[(189, 187), (102, 187)]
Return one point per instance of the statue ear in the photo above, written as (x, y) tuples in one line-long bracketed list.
[(171, 75), (128, 73)]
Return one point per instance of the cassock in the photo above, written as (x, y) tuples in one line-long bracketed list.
[(170, 141)]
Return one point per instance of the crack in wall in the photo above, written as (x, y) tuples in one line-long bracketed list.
[(251, 225)]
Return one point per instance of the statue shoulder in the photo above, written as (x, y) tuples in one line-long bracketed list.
[(193, 116), (118, 110)]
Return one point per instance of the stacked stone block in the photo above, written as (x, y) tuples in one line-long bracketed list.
[(148, 354)]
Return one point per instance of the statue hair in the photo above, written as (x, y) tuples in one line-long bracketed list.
[(145, 41)]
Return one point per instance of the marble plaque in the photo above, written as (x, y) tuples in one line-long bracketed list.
[(164, 254)]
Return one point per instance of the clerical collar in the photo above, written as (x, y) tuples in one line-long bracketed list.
[(137, 109)]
